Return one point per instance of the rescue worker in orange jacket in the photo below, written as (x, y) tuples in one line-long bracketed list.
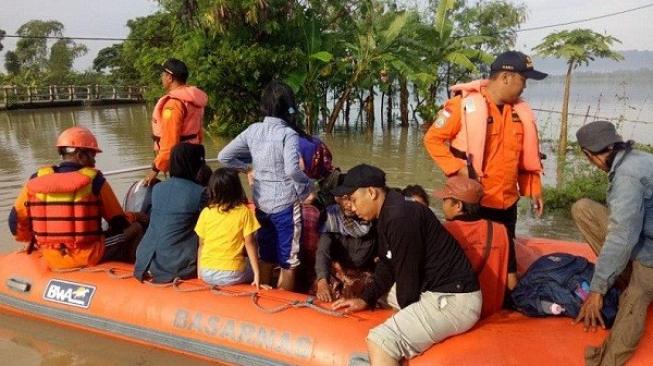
[(487, 132), (60, 210), (177, 116), (485, 242)]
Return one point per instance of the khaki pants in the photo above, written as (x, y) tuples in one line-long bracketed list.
[(592, 220)]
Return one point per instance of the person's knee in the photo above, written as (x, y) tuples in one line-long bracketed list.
[(378, 356), (581, 208)]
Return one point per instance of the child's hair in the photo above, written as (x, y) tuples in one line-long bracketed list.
[(278, 100), (416, 190), (225, 190), (203, 175)]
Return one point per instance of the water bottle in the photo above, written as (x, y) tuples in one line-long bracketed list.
[(583, 290), (551, 308)]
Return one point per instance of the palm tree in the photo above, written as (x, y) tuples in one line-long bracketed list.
[(578, 47)]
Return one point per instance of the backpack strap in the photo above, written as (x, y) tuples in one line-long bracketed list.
[(488, 246)]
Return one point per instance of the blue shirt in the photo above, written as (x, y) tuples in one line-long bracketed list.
[(273, 150), (630, 227), (169, 247)]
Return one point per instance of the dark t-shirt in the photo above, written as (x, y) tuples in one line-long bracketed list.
[(417, 253)]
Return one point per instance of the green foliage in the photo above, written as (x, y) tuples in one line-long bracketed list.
[(62, 54), (588, 183), (578, 46)]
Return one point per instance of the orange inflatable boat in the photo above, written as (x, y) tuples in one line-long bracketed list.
[(236, 326)]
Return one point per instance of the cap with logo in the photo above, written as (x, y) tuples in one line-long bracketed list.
[(360, 176), (516, 61), (596, 136), (175, 68), (463, 189)]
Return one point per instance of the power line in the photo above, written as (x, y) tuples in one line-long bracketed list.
[(517, 31), (585, 19)]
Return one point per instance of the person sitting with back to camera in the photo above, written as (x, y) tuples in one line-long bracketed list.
[(226, 227), (416, 193)]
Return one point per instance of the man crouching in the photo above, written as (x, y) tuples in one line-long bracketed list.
[(437, 291)]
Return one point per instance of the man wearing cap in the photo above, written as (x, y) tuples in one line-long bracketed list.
[(487, 132), (485, 242), (620, 233), (437, 291), (177, 116)]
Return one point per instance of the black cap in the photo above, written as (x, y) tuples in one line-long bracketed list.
[(176, 68), (360, 176), (515, 61), (596, 136)]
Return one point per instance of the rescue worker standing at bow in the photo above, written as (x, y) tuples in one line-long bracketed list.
[(60, 210), (487, 132), (177, 116)]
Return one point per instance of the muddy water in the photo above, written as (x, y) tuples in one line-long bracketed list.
[(26, 143)]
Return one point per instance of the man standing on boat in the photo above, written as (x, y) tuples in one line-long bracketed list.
[(60, 210), (619, 234), (177, 116), (487, 132), (437, 291)]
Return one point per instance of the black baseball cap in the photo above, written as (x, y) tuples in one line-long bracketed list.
[(516, 61), (360, 176), (176, 68), (596, 136)]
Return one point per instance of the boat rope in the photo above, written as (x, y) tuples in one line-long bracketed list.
[(112, 272), (176, 284), (216, 290), (308, 303)]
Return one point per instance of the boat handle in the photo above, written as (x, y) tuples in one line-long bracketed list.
[(19, 285)]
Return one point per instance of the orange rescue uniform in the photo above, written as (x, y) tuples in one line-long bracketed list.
[(502, 179), (177, 117), (87, 255)]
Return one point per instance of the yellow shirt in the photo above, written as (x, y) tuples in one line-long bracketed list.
[(223, 235)]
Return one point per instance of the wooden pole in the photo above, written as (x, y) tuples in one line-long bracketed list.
[(50, 92), (71, 92)]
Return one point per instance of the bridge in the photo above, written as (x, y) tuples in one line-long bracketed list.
[(25, 97)]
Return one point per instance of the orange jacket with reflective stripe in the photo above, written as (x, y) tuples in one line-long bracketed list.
[(492, 272), (503, 145), (63, 210), (177, 117)]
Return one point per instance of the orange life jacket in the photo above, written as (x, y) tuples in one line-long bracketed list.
[(194, 101), (63, 210), (486, 246), (471, 138)]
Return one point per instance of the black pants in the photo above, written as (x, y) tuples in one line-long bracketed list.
[(508, 218)]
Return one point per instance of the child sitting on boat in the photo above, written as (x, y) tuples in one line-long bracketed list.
[(225, 227)]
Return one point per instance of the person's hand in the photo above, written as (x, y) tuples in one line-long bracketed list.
[(538, 205), (349, 305), (310, 198), (141, 217), (257, 283), (133, 231), (150, 178), (323, 290), (463, 172), (590, 312), (250, 178)]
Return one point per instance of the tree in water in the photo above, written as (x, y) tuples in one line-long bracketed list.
[(578, 47)]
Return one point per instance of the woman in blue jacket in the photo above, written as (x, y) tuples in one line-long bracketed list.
[(271, 149)]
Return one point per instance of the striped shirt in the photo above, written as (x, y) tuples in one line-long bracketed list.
[(272, 148)]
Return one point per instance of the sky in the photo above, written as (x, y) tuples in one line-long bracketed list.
[(108, 18)]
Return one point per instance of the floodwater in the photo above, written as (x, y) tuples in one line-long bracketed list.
[(26, 143)]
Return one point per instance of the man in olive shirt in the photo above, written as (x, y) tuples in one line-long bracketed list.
[(437, 291)]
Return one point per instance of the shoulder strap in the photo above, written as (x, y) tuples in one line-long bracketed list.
[(488, 245)]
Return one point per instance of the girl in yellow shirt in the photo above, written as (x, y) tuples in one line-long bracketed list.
[(226, 227)]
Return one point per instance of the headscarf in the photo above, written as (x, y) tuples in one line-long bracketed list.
[(186, 160)]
